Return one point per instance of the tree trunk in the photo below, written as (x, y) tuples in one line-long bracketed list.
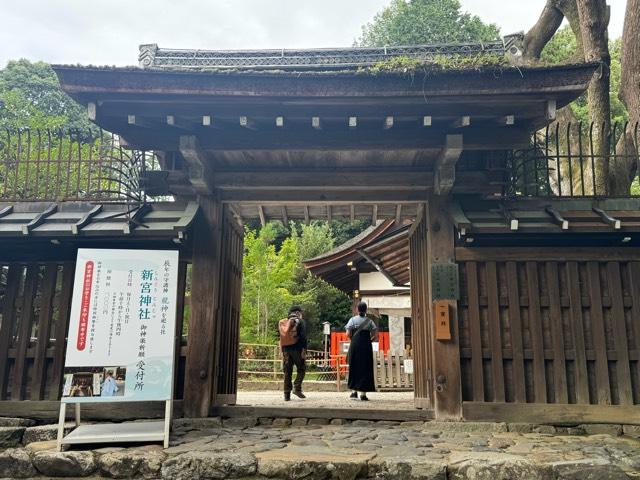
[(627, 166), (594, 20)]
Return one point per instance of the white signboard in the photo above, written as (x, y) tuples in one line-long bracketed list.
[(122, 327)]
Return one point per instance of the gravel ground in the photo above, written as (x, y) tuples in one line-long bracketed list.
[(377, 400)]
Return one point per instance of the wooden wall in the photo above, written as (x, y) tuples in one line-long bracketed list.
[(550, 326)]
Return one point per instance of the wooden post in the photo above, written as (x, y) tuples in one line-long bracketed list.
[(445, 354), (275, 363), (201, 365)]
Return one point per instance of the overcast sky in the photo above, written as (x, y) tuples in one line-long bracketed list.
[(108, 32)]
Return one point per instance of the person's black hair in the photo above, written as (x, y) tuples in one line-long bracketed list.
[(362, 308), (295, 308)]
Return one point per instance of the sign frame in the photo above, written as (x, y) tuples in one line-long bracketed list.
[(148, 431)]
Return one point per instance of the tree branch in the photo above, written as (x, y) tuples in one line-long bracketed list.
[(540, 34)]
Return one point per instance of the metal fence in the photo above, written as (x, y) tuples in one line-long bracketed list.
[(575, 160), (46, 165)]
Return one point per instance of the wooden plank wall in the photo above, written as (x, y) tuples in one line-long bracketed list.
[(421, 331), (229, 313), (35, 303), (544, 329)]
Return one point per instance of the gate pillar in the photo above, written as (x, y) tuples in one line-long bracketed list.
[(446, 377), (201, 362)]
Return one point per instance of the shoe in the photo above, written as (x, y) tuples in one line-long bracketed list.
[(353, 396), (299, 394), (364, 398), (287, 397)]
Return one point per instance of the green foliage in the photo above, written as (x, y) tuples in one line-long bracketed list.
[(268, 281), (30, 97), (413, 22), (274, 278), (562, 48), (439, 62)]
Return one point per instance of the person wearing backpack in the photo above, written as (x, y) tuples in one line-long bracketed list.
[(293, 343), (361, 331)]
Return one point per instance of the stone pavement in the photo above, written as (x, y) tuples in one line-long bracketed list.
[(251, 449)]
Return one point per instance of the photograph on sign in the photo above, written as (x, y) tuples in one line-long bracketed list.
[(122, 326), (94, 381)]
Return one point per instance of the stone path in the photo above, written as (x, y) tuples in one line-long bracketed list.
[(257, 449), (377, 400)]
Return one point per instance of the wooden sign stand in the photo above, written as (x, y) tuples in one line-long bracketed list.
[(151, 431)]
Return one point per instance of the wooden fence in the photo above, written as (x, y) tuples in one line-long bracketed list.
[(550, 326), (35, 301), (390, 372)]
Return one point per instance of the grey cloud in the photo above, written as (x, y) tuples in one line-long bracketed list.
[(108, 32)]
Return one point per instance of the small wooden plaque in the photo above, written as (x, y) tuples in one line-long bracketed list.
[(442, 320)]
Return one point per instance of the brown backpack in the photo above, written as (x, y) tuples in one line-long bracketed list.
[(288, 332)]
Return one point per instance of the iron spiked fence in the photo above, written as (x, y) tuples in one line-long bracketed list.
[(46, 165), (576, 160)]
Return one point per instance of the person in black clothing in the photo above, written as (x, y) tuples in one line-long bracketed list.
[(295, 355), (361, 330)]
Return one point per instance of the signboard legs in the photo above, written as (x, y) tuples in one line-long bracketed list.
[(151, 431)]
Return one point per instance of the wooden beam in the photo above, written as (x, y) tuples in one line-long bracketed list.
[(557, 218), (200, 175), (326, 179), (352, 213), (6, 211), (550, 110), (92, 111), (398, 213), (320, 196), (329, 218), (508, 120), (246, 122), (244, 411), (460, 220), (174, 121), (201, 369), (445, 166), (135, 219), (306, 215), (39, 220), (477, 137), (374, 217), (263, 219), (378, 267), (462, 122), (79, 225), (608, 219), (549, 413)]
